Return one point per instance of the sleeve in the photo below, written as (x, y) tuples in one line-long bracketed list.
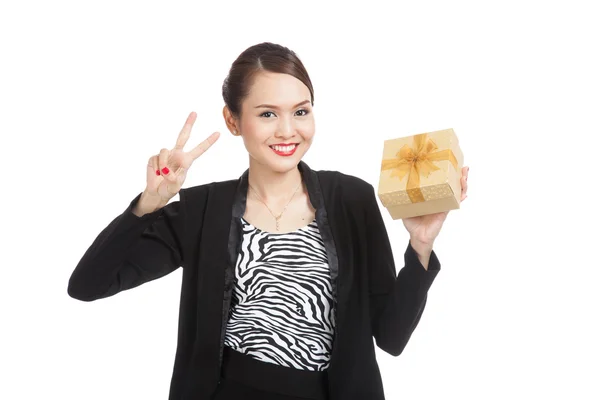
[(130, 251), (396, 303)]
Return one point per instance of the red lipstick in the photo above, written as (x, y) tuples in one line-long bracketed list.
[(283, 153)]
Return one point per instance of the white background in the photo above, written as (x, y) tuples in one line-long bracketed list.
[(89, 90)]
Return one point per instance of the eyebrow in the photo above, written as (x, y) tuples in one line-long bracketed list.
[(277, 108)]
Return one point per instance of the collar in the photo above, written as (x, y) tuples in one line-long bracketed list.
[(309, 178)]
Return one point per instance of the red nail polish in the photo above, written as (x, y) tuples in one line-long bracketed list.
[(157, 172), (165, 170)]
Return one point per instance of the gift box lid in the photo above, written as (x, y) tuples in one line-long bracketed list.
[(421, 167)]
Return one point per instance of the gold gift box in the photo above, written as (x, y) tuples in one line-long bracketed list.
[(420, 174)]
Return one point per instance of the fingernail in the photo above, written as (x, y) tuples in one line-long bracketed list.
[(157, 172), (165, 170)]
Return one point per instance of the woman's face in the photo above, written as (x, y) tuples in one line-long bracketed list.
[(277, 111)]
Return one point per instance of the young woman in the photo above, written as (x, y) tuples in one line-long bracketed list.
[(288, 273)]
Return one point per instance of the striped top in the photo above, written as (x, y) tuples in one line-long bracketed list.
[(282, 305)]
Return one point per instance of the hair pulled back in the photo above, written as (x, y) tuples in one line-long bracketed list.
[(264, 56)]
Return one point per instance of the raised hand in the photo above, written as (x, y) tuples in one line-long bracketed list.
[(167, 170), (425, 228)]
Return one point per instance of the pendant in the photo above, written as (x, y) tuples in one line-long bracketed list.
[(277, 223)]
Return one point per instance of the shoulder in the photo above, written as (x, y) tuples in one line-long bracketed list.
[(198, 192), (349, 186), (342, 179)]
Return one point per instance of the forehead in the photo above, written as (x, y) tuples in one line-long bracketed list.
[(275, 88)]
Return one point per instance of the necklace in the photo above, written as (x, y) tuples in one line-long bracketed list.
[(277, 218)]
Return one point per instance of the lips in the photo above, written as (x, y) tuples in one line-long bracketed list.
[(286, 149), (283, 144)]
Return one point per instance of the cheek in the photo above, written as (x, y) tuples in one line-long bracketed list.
[(248, 125), (255, 136), (308, 130), (253, 130)]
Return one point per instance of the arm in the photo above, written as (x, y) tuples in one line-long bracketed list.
[(396, 302), (423, 251), (130, 251)]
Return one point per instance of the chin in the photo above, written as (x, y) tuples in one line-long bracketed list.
[(281, 164), (284, 166)]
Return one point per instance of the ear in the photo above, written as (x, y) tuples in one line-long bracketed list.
[(230, 121)]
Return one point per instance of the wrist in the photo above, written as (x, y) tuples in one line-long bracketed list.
[(423, 251), (148, 203), (422, 248)]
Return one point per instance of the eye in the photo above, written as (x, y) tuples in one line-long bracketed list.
[(265, 114)]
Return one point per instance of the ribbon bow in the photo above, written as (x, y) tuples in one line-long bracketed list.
[(417, 161)]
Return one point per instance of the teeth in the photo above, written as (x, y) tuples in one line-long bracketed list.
[(284, 149)]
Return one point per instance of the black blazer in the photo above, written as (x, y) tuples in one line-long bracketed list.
[(202, 231)]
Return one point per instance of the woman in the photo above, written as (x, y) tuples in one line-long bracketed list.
[(288, 273)]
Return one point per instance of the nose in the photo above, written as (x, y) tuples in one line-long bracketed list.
[(285, 129)]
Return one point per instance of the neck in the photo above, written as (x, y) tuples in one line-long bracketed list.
[(273, 186)]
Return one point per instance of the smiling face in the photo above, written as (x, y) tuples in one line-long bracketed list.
[(276, 122)]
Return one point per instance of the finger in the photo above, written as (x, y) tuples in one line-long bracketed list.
[(152, 169), (172, 188), (180, 177), (205, 145), (464, 187), (184, 134), (181, 173), (163, 164), (153, 165)]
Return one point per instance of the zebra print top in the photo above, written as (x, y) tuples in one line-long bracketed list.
[(282, 305)]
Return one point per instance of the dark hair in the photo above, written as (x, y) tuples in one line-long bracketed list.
[(265, 56)]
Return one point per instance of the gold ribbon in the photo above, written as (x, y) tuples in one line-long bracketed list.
[(417, 161)]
